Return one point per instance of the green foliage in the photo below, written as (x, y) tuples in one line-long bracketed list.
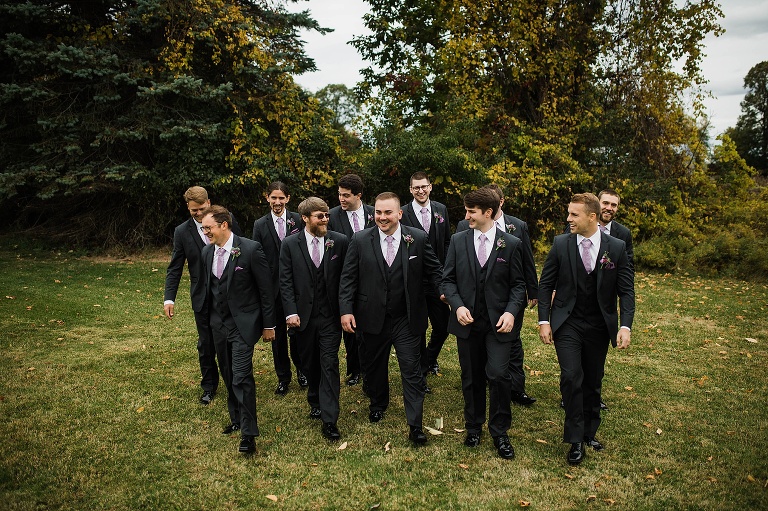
[(751, 131)]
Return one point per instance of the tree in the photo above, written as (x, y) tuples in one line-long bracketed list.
[(112, 108), (751, 131)]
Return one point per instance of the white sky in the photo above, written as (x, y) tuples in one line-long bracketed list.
[(728, 57)]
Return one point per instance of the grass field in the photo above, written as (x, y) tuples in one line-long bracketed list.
[(99, 406)]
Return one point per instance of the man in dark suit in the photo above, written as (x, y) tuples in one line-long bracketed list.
[(270, 231), (483, 283), (188, 242), (381, 298), (240, 300), (516, 227), (349, 217), (432, 217), (589, 270), (310, 270)]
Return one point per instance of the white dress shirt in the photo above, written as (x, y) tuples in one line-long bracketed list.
[(395, 243), (228, 247), (417, 210)]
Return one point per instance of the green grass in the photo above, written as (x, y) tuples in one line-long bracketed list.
[(98, 401)]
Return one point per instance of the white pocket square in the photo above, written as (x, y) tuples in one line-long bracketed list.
[(412, 257)]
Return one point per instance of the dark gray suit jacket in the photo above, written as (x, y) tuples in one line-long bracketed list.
[(298, 274), (519, 229), (339, 220), (504, 283), (439, 226), (363, 279), (249, 287), (265, 233), (615, 279), (187, 245), (617, 231)]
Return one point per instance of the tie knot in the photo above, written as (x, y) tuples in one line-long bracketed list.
[(315, 241), (483, 238), (389, 239), (221, 251), (586, 242), (602, 227), (280, 220), (424, 210)]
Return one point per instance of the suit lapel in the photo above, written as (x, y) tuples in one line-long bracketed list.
[(471, 254), (412, 218), (404, 254), (376, 245), (345, 225), (273, 231), (195, 234), (573, 256), (305, 253), (232, 262), (208, 267), (493, 252), (605, 247)]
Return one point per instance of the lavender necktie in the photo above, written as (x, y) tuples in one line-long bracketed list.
[(425, 218), (482, 253), (586, 256), (355, 223), (390, 250), (280, 228), (602, 228), (316, 252), (221, 261)]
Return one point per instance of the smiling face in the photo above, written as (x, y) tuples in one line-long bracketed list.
[(196, 209), (277, 200), (317, 223), (218, 233), (420, 189), (609, 205), (478, 218), (580, 221), (388, 215), (348, 200)]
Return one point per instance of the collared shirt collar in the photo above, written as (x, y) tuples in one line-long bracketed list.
[(396, 234)]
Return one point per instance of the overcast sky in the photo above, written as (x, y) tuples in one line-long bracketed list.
[(729, 57)]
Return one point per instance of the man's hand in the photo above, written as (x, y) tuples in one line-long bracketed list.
[(464, 317), (348, 323), (622, 339), (545, 333), (533, 303), (444, 299), (505, 324), (293, 322), (268, 334), (168, 308)]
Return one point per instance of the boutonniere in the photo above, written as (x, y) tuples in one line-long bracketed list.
[(439, 218), (606, 263), (291, 223), (235, 253), (511, 228), (370, 218), (328, 244), (501, 243), (408, 239)]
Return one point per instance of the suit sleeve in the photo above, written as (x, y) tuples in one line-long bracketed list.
[(449, 286), (263, 276), (175, 267), (630, 250), (286, 280), (548, 282), (463, 225), (446, 226), (255, 236), (432, 267), (349, 278), (626, 290), (516, 298), (529, 264)]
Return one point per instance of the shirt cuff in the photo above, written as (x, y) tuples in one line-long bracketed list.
[(626, 328), (289, 316), (543, 322), (168, 302)]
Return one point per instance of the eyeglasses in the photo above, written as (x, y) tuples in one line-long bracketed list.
[(320, 216), (207, 229), (422, 188)]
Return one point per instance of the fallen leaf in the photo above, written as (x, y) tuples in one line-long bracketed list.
[(750, 478), (657, 471), (273, 498), (342, 446), (711, 479), (610, 502), (591, 497), (541, 441), (278, 429), (598, 484), (462, 465), (10, 297), (313, 464), (647, 424), (439, 423), (31, 369), (457, 430), (375, 506), (568, 476), (748, 339), (166, 398), (96, 305), (387, 447), (524, 503), (628, 388), (658, 431), (709, 458), (650, 476), (433, 431), (139, 409)]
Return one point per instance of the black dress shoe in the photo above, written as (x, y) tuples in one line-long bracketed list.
[(576, 454), (282, 388), (330, 431), (353, 379), (303, 382), (603, 406), (472, 440), (207, 397), (417, 436), (231, 429), (593, 443), (247, 444), (376, 416), (522, 398), (504, 447), (427, 388), (314, 413)]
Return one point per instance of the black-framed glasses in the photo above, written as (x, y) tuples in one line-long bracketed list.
[(321, 216), (207, 229), (421, 188)]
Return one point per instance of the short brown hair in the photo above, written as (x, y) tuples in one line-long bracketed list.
[(591, 203), (312, 204), (608, 191), (387, 196), (196, 194), (278, 185), (220, 214), (416, 176), (496, 188), (483, 198), (352, 182)]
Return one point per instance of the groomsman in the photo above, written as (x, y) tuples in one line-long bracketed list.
[(382, 299), (349, 217), (270, 230), (240, 300), (609, 206), (589, 270), (188, 242), (432, 217), (516, 227), (310, 269), (483, 283)]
